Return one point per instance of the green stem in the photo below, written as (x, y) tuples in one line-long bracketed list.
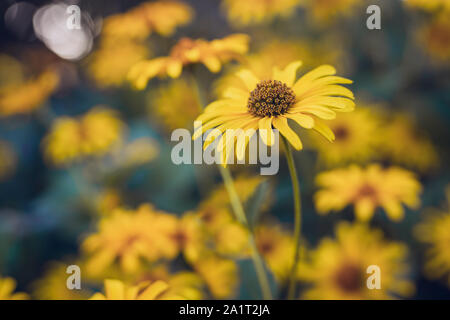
[(241, 217), (297, 217)]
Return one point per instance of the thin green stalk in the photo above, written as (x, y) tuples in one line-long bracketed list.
[(241, 217), (297, 216)]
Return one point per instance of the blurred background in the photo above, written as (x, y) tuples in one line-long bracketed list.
[(85, 156)]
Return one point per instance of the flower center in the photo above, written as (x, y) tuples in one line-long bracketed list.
[(349, 278), (270, 98)]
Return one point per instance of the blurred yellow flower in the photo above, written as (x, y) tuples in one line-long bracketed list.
[(405, 145), (337, 269), (316, 96), (176, 104), (434, 232), (326, 11), (242, 13), (429, 5), (7, 286), (189, 51), (94, 134), (189, 237), (138, 23), (356, 138), (24, 97), (435, 37), (367, 189), (118, 290), (107, 200), (232, 240), (277, 53), (8, 160), (220, 275), (277, 248), (110, 63), (131, 237)]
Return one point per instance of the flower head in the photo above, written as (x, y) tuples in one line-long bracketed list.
[(269, 103), (367, 189), (435, 37), (337, 269), (94, 134), (189, 51)]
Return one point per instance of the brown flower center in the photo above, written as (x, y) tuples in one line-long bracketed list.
[(349, 278), (270, 98), (341, 133)]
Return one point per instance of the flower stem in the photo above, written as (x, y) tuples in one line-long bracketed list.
[(241, 217), (297, 216)]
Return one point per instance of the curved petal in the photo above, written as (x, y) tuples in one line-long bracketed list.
[(281, 124), (288, 74), (248, 78), (265, 130), (302, 119), (324, 130), (324, 70), (154, 290)]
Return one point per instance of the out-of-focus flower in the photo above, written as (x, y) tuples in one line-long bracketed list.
[(220, 275), (367, 189), (326, 11), (176, 104), (131, 237), (337, 269), (162, 17), (137, 152), (279, 54), (7, 286), (109, 64), (118, 290), (94, 134), (356, 138), (53, 284), (242, 13), (8, 160), (428, 5), (189, 237), (316, 96), (434, 231), (435, 37), (277, 248), (20, 98), (232, 240), (188, 51), (401, 138)]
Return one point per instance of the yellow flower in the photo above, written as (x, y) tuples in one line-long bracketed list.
[(434, 231), (325, 11), (220, 275), (24, 97), (131, 238), (189, 237), (110, 63), (435, 37), (429, 5), (8, 160), (117, 290), (356, 138), (94, 134), (401, 138), (248, 12), (232, 240), (188, 51), (7, 286), (337, 269), (271, 102), (176, 104), (279, 54), (138, 23), (277, 248), (367, 189)]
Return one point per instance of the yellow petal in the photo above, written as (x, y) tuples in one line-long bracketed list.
[(265, 130), (249, 79), (114, 289), (154, 290), (288, 74), (324, 70), (302, 119), (281, 124), (324, 130), (174, 68)]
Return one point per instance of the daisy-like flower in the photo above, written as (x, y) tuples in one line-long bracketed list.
[(24, 97), (325, 11), (118, 290), (183, 101), (242, 13), (8, 160), (7, 286), (356, 138), (268, 103), (428, 5), (189, 51), (434, 232), (337, 269), (367, 189), (130, 238), (94, 134), (138, 23), (435, 37), (400, 137)]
